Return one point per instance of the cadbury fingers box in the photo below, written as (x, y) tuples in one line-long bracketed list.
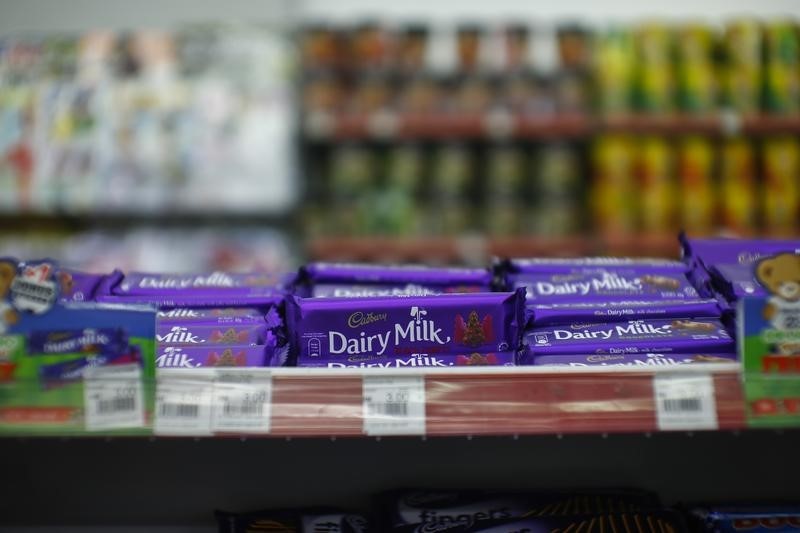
[(49, 339)]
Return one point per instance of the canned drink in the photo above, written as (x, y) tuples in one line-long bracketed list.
[(738, 191), (351, 171), (655, 73), (468, 41), (696, 69), (697, 195), (781, 171), (656, 174), (782, 68), (573, 46), (613, 193), (741, 73), (405, 168), (505, 169), (452, 172), (516, 47), (412, 47), (320, 47), (614, 67)]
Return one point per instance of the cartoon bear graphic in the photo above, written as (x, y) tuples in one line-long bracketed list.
[(780, 275), (8, 316)]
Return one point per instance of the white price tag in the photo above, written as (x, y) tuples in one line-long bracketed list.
[(113, 397), (242, 401), (184, 404), (685, 402), (394, 405)]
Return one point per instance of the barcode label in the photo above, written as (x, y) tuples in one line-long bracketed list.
[(394, 405), (113, 397), (183, 405), (242, 401), (685, 402)]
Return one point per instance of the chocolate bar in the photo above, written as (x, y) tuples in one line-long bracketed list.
[(75, 286), (695, 335), (176, 334), (508, 358), (572, 312), (446, 508), (218, 289), (234, 355), (601, 284), (755, 519), (65, 372), (734, 281), (372, 330), (627, 359), (351, 280), (88, 341), (653, 521), (312, 520), (557, 264), (211, 315)]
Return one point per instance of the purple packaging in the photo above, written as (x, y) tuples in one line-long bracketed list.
[(371, 330), (602, 284), (567, 313), (88, 340), (65, 372), (642, 359), (556, 264), (351, 280), (734, 281), (697, 335), (508, 358), (218, 289), (211, 315), (77, 286), (233, 355), (193, 334)]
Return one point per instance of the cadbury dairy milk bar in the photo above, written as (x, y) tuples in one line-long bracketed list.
[(199, 334), (88, 340), (312, 520), (211, 315), (558, 264), (734, 281), (371, 330), (649, 521), (571, 312), (233, 355), (351, 280), (601, 284), (446, 508), (695, 335), (628, 359), (76, 286), (507, 358), (218, 289)]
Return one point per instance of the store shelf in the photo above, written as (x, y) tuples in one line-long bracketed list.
[(503, 124)]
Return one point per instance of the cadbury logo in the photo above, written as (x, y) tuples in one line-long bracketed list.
[(359, 318)]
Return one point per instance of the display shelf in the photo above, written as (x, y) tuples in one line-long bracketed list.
[(464, 401), (501, 124)]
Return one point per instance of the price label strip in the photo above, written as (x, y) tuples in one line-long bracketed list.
[(685, 402), (184, 403), (394, 405), (113, 397), (242, 401)]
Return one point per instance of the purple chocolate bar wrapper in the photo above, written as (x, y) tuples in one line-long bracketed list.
[(66, 372), (568, 313), (213, 290), (507, 358), (357, 273), (202, 356), (211, 316), (642, 359), (349, 329), (194, 334), (556, 264), (88, 340), (699, 335), (77, 286), (326, 290), (601, 284), (734, 281)]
